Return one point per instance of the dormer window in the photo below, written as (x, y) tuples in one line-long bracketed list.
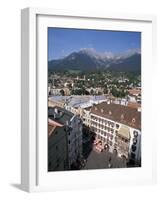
[(110, 113), (133, 120), (95, 108), (122, 116)]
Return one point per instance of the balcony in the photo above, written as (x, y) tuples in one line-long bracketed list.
[(135, 134), (134, 141), (133, 148)]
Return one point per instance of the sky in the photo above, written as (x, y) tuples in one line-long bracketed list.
[(63, 41)]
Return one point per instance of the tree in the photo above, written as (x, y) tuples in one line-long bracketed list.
[(105, 91), (92, 92), (62, 92)]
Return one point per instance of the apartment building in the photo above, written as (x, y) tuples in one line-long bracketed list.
[(72, 126), (57, 147), (57, 101), (119, 128)]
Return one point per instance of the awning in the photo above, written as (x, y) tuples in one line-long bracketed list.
[(124, 132)]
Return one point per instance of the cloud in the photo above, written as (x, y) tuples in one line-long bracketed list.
[(96, 54), (108, 55), (128, 53)]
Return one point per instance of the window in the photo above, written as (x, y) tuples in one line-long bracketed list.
[(110, 113), (57, 165), (56, 147), (115, 151), (133, 148), (126, 140), (135, 133), (66, 129), (117, 126), (49, 164), (69, 142), (133, 155), (134, 141), (133, 120)]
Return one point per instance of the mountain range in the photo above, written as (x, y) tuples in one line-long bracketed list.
[(91, 60)]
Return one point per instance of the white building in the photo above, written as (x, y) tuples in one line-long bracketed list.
[(74, 140), (49, 89), (119, 127), (55, 91), (87, 116)]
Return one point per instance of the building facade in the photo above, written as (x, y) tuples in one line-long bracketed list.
[(119, 128), (74, 140), (72, 127), (57, 147)]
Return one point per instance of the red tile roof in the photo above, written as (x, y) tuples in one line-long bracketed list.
[(133, 105), (50, 129), (119, 113), (135, 91), (52, 125)]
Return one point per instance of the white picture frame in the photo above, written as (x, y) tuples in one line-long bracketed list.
[(33, 176)]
